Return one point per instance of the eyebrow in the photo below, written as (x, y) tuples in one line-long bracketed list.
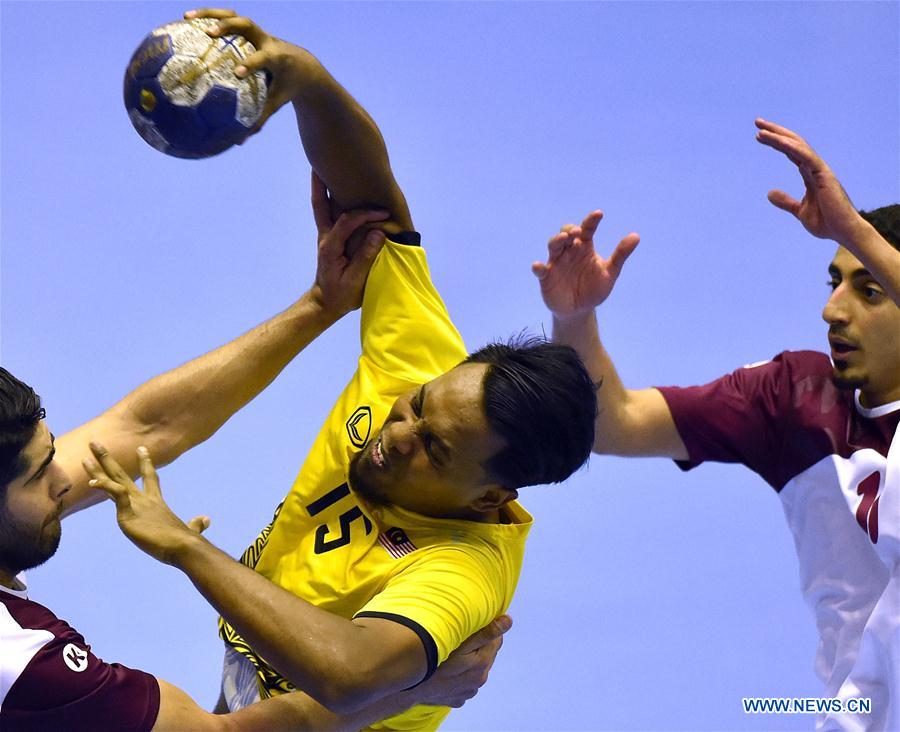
[(47, 460), (855, 274), (437, 440)]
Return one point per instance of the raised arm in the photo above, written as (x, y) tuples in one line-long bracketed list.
[(826, 211), (342, 142), (575, 279), (181, 408)]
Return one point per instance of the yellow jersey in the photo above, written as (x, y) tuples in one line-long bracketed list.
[(444, 579)]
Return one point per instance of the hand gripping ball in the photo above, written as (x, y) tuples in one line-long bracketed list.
[(182, 95)]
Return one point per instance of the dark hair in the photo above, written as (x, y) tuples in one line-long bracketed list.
[(540, 398), (20, 412), (886, 221)]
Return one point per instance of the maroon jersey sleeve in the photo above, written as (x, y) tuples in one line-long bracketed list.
[(745, 416), (66, 687)]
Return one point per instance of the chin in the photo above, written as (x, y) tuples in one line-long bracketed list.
[(26, 553), (845, 378), (362, 482)]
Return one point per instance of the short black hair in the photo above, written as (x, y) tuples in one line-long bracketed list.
[(886, 221), (20, 412), (539, 397)]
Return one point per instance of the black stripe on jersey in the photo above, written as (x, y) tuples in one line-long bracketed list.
[(410, 238), (431, 654), (329, 499)]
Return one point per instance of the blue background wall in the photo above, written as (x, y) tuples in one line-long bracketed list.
[(650, 599)]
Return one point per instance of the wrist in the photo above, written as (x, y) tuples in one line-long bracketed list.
[(184, 551), (575, 320), (309, 76), (316, 305), (858, 235)]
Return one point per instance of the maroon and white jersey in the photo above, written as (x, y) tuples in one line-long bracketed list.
[(50, 680), (836, 468)]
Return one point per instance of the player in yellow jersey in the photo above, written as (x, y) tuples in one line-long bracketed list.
[(402, 534)]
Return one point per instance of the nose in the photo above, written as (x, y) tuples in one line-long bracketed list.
[(835, 311), (60, 483), (401, 438)]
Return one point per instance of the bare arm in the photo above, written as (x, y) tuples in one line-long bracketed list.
[(826, 211), (574, 280), (341, 140), (181, 408), (343, 664), (456, 681), (288, 712)]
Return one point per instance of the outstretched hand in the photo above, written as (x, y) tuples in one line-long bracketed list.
[(825, 209), (466, 670), (143, 515), (575, 278), (347, 248)]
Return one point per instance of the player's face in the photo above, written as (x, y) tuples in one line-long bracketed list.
[(430, 454), (30, 510), (864, 332)]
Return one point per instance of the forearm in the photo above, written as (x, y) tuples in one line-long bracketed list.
[(287, 712), (878, 256), (629, 422), (342, 665), (346, 148), (298, 711), (185, 406), (581, 332)]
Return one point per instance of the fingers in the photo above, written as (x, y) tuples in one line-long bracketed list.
[(778, 129), (539, 270), (321, 206), (239, 26), (486, 635), (558, 243), (589, 225), (785, 202), (109, 464), (148, 473), (348, 222), (622, 251), (798, 152), (116, 491), (199, 524), (209, 13)]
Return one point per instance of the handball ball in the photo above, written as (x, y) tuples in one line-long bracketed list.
[(182, 95)]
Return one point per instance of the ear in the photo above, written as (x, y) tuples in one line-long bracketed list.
[(493, 497)]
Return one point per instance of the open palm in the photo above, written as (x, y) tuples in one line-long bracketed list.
[(575, 278)]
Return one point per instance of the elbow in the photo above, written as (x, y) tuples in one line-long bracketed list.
[(342, 695), (343, 686)]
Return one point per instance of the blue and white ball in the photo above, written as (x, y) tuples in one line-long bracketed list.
[(182, 95)]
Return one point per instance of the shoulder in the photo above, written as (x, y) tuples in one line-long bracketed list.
[(52, 680)]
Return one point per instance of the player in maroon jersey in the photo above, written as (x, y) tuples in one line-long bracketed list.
[(822, 432)]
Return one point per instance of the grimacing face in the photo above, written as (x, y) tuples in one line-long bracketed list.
[(31, 507), (864, 332), (429, 455)]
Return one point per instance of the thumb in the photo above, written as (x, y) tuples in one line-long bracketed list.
[(782, 200), (199, 524), (540, 270), (622, 252), (373, 244)]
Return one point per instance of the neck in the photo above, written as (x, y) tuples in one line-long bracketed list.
[(870, 398)]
